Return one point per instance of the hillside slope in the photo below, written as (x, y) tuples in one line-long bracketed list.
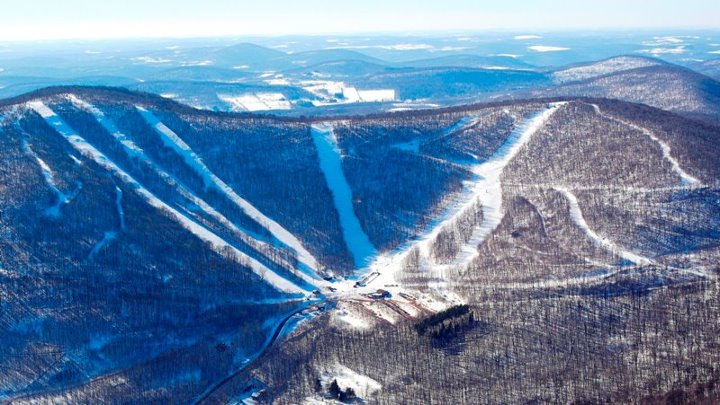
[(641, 80), (152, 252)]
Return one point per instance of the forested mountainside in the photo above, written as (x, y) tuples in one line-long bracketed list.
[(151, 252), (642, 80)]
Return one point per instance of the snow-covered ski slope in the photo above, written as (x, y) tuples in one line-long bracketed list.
[(134, 151), (604, 242), (485, 188), (203, 233), (173, 141), (61, 198), (687, 179), (355, 237)]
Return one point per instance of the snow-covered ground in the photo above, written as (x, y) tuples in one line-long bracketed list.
[(414, 145), (204, 234), (485, 188), (369, 96), (355, 237), (173, 141), (256, 101), (488, 188), (604, 242), (334, 92), (363, 385), (61, 198), (134, 151), (604, 67)]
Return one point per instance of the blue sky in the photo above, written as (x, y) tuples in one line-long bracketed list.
[(95, 19)]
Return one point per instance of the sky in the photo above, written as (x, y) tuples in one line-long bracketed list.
[(22, 20)]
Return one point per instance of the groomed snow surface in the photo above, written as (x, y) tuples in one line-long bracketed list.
[(218, 244), (61, 198), (486, 188), (173, 141), (686, 178), (355, 237), (605, 243), (132, 150), (333, 92)]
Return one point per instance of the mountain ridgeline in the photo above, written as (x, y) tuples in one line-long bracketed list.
[(153, 252)]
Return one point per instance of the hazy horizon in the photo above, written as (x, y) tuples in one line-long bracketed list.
[(43, 20)]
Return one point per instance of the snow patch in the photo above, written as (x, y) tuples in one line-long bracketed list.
[(369, 96), (665, 51), (391, 47), (363, 385)]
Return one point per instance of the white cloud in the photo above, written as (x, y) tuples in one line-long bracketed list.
[(522, 37), (151, 60), (197, 63), (394, 47), (547, 48), (453, 48), (662, 51)]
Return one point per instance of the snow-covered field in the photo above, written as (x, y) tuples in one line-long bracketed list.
[(256, 101), (334, 92)]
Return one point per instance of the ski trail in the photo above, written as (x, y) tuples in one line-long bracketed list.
[(106, 240), (488, 189), (414, 145), (173, 141), (356, 240), (607, 244), (119, 207), (485, 188), (111, 235), (687, 179), (218, 244), (60, 197), (132, 150)]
